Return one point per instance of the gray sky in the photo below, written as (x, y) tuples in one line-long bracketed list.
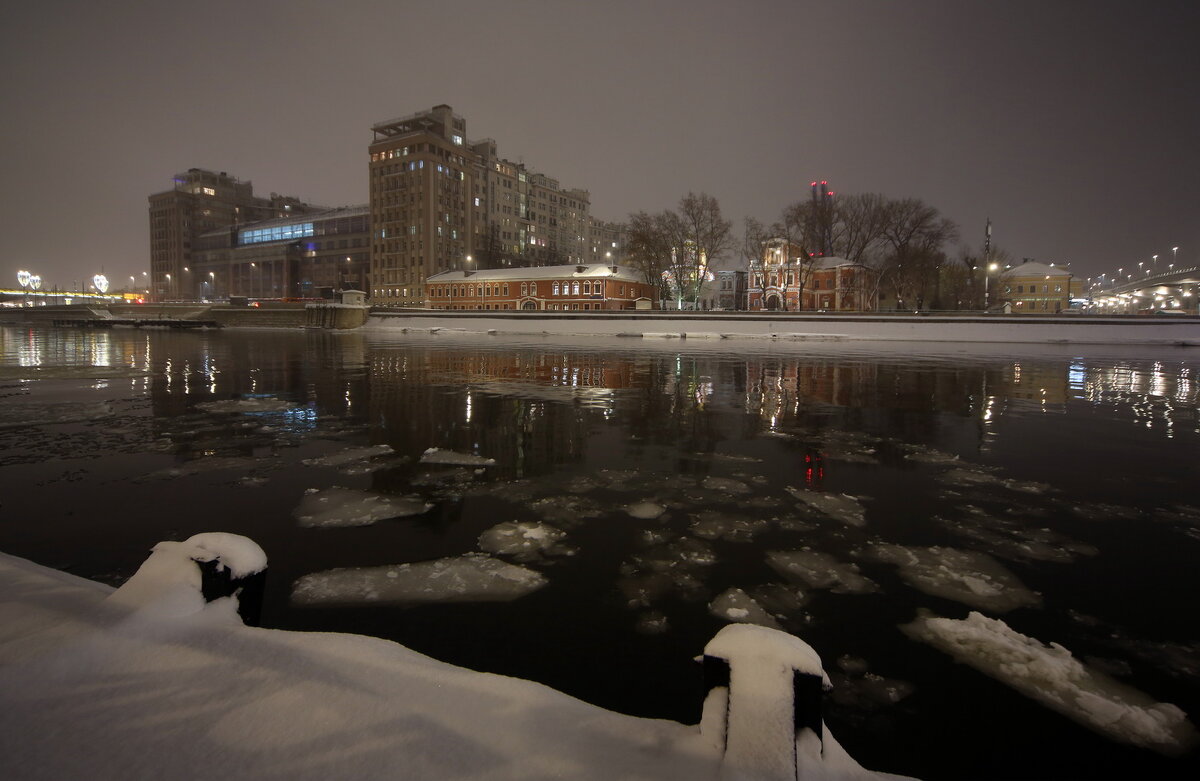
[(1073, 125)]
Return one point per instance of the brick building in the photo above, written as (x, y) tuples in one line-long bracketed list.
[(831, 284), (547, 288)]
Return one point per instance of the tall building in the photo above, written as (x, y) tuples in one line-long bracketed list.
[(201, 201), (440, 202)]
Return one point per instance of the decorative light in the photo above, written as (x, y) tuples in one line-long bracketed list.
[(101, 283)]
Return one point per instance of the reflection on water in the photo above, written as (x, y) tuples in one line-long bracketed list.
[(656, 490)]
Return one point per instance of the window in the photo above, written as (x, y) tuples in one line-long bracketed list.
[(524, 288), (575, 289), (554, 288), (456, 138), (533, 289), (587, 288), (506, 289)]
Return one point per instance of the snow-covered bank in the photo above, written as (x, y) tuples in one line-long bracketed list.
[(150, 681), (1024, 329)]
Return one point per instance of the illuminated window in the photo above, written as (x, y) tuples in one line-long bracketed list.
[(457, 139)]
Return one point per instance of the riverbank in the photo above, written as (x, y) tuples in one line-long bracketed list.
[(1027, 329), (150, 681)]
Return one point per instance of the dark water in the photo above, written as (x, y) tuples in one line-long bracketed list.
[(1077, 472)]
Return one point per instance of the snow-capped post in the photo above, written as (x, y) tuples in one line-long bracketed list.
[(763, 708), (180, 577)]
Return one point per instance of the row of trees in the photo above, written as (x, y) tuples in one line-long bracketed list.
[(902, 241)]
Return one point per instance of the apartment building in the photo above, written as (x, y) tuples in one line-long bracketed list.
[(440, 202)]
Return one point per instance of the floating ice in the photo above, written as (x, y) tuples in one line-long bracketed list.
[(712, 525), (646, 511), (738, 606), (841, 507), (972, 578), (1015, 539), (567, 509), (524, 541), (246, 405), (978, 476), (348, 507), (821, 570), (474, 577), (349, 456), (928, 455), (1050, 675), (23, 415), (726, 485), (438, 456)]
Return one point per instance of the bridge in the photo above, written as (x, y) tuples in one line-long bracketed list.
[(1170, 290)]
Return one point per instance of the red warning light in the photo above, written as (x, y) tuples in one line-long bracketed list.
[(824, 182), (814, 184)]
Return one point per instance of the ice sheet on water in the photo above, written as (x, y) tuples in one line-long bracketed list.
[(474, 577), (1050, 675), (525, 541), (1093, 511), (26, 414), (717, 525), (336, 507), (928, 455), (736, 605), (264, 404), (821, 570), (1015, 539), (676, 567), (646, 511), (726, 485), (862, 690), (974, 476), (436, 455), (349, 456), (841, 507), (567, 510), (198, 466), (969, 577), (1178, 660)]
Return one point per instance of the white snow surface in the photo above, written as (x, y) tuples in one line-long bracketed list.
[(89, 694), (1055, 678), (841, 507), (436, 455), (338, 506), (646, 511), (524, 540), (821, 570), (473, 577)]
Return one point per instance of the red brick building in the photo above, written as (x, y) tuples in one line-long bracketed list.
[(829, 284), (547, 288)]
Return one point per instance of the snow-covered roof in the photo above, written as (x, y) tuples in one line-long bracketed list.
[(575, 271), (1033, 268)]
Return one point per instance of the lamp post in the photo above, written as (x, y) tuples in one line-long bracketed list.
[(987, 275)]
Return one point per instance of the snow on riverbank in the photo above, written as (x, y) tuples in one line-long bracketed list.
[(187, 691)]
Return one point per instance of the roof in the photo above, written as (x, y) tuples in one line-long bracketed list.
[(573, 271), (1034, 269)]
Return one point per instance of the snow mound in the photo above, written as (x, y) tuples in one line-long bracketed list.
[(438, 456), (245, 405), (474, 577), (840, 507), (349, 456), (1050, 675), (821, 570), (336, 507), (524, 541), (975, 579)]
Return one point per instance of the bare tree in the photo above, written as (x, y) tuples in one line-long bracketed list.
[(755, 239), (858, 229), (915, 233), (650, 247), (705, 236)]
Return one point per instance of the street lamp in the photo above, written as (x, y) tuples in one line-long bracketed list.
[(987, 276)]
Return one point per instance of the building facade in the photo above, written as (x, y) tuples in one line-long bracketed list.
[(199, 202), (784, 281), (583, 287), (1038, 288), (301, 256), (440, 202)]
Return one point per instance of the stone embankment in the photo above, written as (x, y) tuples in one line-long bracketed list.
[(268, 315)]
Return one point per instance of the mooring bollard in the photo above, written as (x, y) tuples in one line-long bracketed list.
[(765, 690)]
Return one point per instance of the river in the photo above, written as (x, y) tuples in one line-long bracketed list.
[(652, 491)]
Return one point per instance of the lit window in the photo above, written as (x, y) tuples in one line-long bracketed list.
[(457, 139)]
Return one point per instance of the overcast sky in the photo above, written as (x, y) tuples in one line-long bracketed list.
[(1075, 126)]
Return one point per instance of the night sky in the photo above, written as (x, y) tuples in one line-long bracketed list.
[(1075, 126)]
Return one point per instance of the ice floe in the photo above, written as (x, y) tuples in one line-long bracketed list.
[(821, 570), (969, 577), (726, 485), (436, 455), (349, 456), (969, 477), (646, 511), (1050, 675), (338, 506), (25, 414), (474, 577), (736, 605), (841, 507), (714, 524), (265, 404), (525, 541), (1014, 539)]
